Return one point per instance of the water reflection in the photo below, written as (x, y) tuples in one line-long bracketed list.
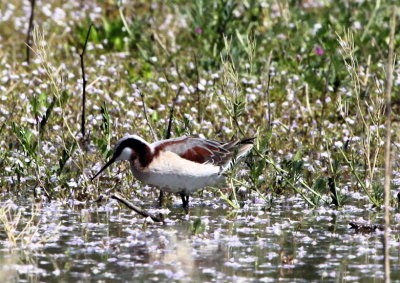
[(107, 242)]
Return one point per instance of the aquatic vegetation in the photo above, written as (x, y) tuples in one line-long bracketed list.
[(25, 233), (307, 78), (106, 242)]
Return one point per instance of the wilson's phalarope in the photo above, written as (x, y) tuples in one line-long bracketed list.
[(179, 165)]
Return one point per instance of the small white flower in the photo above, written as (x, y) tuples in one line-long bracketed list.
[(338, 144), (201, 87), (316, 28)]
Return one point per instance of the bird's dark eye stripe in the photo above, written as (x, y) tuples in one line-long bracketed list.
[(138, 146), (118, 150), (131, 143)]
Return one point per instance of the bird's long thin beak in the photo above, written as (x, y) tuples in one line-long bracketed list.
[(111, 161)]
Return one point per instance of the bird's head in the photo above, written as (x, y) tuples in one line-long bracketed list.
[(130, 148)]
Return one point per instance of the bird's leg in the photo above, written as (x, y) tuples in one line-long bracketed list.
[(160, 199), (185, 202)]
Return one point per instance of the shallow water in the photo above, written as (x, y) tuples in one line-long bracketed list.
[(287, 242)]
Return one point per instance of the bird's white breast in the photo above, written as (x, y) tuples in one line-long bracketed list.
[(171, 173)]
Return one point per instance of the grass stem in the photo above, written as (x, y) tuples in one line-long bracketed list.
[(388, 159), (84, 82)]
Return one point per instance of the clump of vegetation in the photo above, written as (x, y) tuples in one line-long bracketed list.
[(306, 77)]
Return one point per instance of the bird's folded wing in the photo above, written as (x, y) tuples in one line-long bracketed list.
[(198, 150)]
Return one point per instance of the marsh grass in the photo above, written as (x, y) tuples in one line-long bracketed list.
[(22, 231), (305, 79)]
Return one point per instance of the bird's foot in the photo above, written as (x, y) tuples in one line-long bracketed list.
[(161, 199)]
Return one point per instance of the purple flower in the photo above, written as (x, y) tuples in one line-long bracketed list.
[(319, 51), (198, 30)]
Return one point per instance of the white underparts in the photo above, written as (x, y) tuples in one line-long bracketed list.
[(171, 173)]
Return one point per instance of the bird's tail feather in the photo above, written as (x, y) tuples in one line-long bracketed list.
[(242, 147)]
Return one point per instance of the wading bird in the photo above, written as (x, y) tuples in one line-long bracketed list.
[(179, 165)]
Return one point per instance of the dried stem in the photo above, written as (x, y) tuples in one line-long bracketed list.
[(171, 118), (171, 114), (268, 98), (388, 161), (29, 33), (199, 111), (153, 134), (137, 209), (84, 82)]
